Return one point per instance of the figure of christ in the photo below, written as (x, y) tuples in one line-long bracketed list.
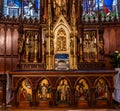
[(64, 91)]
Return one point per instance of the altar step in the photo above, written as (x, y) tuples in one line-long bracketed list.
[(59, 109)]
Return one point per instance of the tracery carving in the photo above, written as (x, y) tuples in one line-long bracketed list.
[(61, 40)]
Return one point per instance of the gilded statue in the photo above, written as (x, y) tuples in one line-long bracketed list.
[(20, 45), (60, 7), (61, 40)]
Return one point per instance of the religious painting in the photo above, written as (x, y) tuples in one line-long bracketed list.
[(101, 90), (106, 8), (30, 8), (25, 91), (90, 45), (44, 90), (82, 90), (63, 92)]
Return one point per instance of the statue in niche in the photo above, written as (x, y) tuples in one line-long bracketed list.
[(61, 40), (21, 44), (90, 46), (63, 91), (87, 47), (60, 7)]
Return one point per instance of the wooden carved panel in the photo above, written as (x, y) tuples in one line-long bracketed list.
[(2, 65)]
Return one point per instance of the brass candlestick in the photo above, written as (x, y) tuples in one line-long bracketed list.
[(88, 55), (27, 50), (35, 50), (81, 53), (96, 59)]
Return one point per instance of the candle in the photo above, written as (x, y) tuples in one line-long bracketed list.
[(80, 40), (36, 36), (27, 41), (95, 40), (87, 36)]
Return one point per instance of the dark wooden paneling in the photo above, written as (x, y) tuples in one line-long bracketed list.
[(2, 39), (106, 41), (1, 65), (8, 64), (1, 93), (11, 64), (112, 39), (118, 39), (8, 42), (15, 61), (15, 42)]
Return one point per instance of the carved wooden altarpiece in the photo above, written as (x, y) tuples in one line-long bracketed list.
[(59, 67)]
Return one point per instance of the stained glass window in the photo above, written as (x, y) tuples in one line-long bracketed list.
[(25, 8), (105, 8)]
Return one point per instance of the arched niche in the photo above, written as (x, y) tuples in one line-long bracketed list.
[(63, 92), (82, 92), (44, 90), (24, 92), (62, 40), (101, 89)]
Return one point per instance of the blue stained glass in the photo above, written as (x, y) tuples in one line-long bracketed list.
[(85, 6), (36, 4), (15, 3), (105, 7), (30, 8), (108, 4)]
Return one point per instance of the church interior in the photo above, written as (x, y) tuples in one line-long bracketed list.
[(59, 54)]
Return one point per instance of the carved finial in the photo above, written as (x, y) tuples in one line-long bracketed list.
[(73, 15), (49, 12)]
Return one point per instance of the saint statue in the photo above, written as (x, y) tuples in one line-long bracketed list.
[(60, 7)]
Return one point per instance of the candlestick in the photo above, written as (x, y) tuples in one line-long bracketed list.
[(87, 36), (35, 36), (80, 40), (95, 40), (27, 41)]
